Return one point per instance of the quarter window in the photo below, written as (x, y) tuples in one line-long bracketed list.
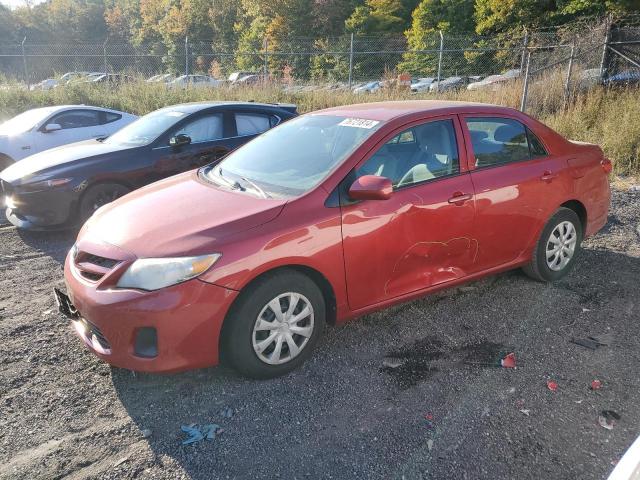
[(251, 124), (111, 117), (420, 153), (77, 119), (203, 129), (497, 141)]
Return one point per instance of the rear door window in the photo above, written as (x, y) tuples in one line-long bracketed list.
[(498, 141), (252, 124)]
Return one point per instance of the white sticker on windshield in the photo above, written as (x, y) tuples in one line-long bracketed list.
[(358, 123)]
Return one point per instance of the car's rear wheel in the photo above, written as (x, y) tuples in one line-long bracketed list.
[(274, 325), (98, 195), (557, 248)]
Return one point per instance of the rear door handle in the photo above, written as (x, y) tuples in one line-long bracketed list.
[(459, 198), (548, 176)]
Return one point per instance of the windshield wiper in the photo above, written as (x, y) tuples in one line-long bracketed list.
[(233, 184), (255, 187)]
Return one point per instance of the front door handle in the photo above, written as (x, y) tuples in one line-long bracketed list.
[(547, 176), (459, 198)]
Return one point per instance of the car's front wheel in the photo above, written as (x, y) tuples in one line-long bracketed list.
[(274, 325), (98, 195), (557, 248)]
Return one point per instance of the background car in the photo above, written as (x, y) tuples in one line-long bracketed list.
[(194, 81), (623, 79), (46, 84), (161, 78), (449, 84), (111, 79), (330, 216), (42, 128), (60, 186), (492, 81), (370, 87), (422, 85)]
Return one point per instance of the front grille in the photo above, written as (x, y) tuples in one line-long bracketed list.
[(100, 261), (93, 267), (93, 331)]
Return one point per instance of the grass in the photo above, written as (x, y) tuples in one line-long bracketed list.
[(605, 117)]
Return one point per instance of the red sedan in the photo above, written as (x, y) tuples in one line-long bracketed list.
[(330, 216)]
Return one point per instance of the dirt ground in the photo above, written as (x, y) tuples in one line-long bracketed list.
[(444, 412)]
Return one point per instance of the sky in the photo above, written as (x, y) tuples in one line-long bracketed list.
[(18, 3)]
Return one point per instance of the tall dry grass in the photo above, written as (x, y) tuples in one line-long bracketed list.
[(606, 117)]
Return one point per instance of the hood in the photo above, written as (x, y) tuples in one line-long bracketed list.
[(35, 164), (178, 216)]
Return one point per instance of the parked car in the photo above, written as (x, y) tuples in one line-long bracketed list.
[(371, 87), (194, 81), (628, 468), (70, 76), (589, 78), (623, 79), (59, 187), (493, 81), (43, 128), (422, 85), (449, 84), (46, 84), (111, 79), (83, 78), (162, 78), (237, 75), (332, 215)]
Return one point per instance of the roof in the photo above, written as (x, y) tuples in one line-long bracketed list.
[(197, 106), (385, 111)]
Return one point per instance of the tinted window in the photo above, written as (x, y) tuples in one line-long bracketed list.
[(420, 153), (251, 124), (77, 119), (203, 129), (111, 117), (498, 140)]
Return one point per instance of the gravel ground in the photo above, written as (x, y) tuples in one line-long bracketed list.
[(445, 412)]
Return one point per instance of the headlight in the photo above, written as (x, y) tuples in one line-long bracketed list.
[(10, 202), (156, 273)]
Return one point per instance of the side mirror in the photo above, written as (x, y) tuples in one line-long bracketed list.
[(52, 127), (179, 140), (371, 187)]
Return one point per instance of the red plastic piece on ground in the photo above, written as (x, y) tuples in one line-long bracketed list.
[(551, 385), (596, 384), (428, 416), (509, 361)]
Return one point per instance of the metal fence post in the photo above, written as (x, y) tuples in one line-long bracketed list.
[(607, 37), (24, 62), (266, 57), (186, 55), (525, 44), (351, 63), (525, 87), (440, 60), (567, 82), (104, 56)]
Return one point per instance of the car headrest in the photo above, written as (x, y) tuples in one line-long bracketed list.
[(478, 135), (509, 134)]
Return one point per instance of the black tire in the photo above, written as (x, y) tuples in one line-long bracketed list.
[(538, 268), (98, 195), (238, 330)]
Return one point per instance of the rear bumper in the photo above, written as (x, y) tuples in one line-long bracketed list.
[(185, 319)]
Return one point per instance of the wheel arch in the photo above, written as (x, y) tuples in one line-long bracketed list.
[(578, 207), (96, 183)]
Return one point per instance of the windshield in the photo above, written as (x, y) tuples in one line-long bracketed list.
[(294, 157), (24, 122), (146, 129)]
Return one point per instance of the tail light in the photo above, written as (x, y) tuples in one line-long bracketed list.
[(607, 166)]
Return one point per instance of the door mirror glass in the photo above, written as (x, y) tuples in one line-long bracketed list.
[(179, 140), (371, 187), (52, 127)]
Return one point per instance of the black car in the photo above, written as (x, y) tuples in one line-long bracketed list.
[(59, 187)]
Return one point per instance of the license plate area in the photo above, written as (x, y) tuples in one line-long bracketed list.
[(65, 307)]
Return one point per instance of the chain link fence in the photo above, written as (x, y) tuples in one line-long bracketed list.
[(575, 56)]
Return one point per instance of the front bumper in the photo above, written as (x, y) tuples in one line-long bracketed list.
[(185, 319), (42, 209)]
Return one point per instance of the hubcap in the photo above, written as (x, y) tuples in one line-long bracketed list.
[(283, 328), (561, 246)]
